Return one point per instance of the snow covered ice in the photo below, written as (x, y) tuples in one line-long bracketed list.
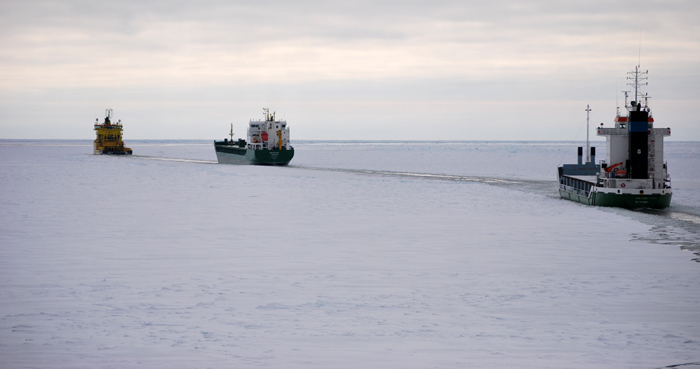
[(133, 262)]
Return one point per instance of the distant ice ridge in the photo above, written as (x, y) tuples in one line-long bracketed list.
[(188, 265)]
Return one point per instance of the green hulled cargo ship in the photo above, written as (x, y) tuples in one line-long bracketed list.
[(267, 144), (633, 174)]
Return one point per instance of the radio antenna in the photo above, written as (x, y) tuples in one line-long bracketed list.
[(617, 99), (588, 144), (639, 61)]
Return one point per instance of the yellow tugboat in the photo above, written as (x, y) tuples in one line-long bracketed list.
[(109, 137)]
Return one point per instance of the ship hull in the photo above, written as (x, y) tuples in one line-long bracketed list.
[(625, 200), (111, 150), (230, 154), (102, 152)]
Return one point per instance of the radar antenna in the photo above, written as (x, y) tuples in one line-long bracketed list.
[(108, 116)]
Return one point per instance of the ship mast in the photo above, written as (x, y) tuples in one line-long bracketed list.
[(588, 143), (639, 79)]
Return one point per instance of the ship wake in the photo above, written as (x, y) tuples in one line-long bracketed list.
[(175, 159), (443, 177)]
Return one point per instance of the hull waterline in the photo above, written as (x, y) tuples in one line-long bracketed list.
[(627, 201)]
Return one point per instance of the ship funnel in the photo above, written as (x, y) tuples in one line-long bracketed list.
[(580, 155), (638, 128), (593, 155)]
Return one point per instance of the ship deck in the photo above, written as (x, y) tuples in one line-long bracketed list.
[(590, 179)]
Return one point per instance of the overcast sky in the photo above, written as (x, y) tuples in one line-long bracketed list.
[(360, 70)]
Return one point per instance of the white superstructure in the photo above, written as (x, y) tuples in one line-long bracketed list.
[(617, 151), (268, 134)]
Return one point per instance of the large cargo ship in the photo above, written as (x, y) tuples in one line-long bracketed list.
[(109, 137), (267, 144), (633, 174)]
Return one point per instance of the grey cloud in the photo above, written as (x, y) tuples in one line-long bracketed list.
[(260, 21), (413, 52)]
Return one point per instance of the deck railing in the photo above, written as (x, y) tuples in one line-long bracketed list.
[(574, 190)]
